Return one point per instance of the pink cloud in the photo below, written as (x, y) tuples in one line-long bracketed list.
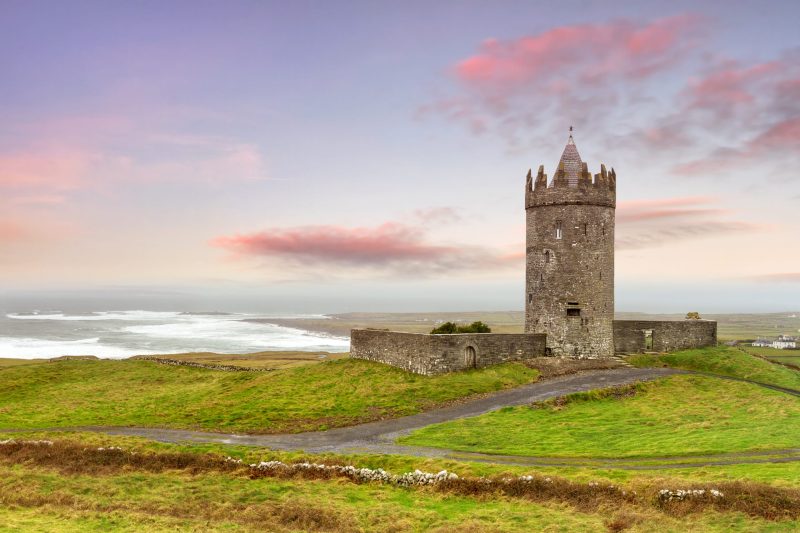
[(783, 277), (681, 207), (731, 85), (391, 246), (779, 140), (588, 52), (54, 170), (383, 244), (579, 72), (680, 201), (11, 231), (649, 223)]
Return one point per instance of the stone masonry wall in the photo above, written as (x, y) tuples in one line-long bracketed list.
[(570, 261), (438, 354), (668, 335)]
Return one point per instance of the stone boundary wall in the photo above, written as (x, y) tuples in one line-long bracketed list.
[(668, 335), (437, 354)]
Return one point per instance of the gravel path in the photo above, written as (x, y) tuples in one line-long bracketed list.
[(378, 437)]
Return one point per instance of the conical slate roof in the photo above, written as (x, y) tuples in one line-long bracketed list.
[(571, 161)]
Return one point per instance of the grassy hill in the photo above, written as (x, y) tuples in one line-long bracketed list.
[(680, 415), (43, 488), (146, 393), (726, 361)]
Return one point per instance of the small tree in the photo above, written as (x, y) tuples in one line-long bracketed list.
[(475, 327), (446, 328), (693, 315)]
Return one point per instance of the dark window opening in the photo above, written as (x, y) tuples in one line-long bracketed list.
[(573, 303), (586, 229), (530, 298), (601, 275), (573, 312), (547, 256), (604, 229), (541, 278)]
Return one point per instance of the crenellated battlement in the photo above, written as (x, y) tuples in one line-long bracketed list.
[(580, 188), (572, 183)]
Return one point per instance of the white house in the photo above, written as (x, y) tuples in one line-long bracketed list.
[(785, 343)]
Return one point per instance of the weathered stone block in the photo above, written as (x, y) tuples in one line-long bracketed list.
[(437, 354)]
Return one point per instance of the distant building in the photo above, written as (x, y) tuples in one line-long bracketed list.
[(784, 342)]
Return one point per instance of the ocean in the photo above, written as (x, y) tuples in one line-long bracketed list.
[(119, 334)]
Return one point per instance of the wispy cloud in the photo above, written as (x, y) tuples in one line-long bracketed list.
[(513, 87), (784, 277), (52, 169), (392, 247), (650, 223), (11, 231), (779, 140)]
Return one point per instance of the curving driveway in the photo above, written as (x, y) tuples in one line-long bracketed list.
[(378, 437)]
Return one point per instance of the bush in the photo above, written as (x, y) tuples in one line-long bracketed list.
[(449, 328)]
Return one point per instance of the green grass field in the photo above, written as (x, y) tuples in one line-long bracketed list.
[(773, 354), (262, 360), (145, 393), (680, 415), (723, 360)]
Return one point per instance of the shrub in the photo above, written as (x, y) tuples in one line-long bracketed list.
[(446, 328), (449, 328)]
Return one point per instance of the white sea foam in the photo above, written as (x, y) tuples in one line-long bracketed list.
[(101, 315), (128, 333), (217, 331), (23, 348)]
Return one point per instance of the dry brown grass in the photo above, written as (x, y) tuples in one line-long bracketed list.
[(69, 458), (750, 498), (289, 515)]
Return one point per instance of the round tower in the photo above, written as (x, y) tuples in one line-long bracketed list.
[(570, 257)]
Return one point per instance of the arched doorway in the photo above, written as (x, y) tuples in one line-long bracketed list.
[(470, 357)]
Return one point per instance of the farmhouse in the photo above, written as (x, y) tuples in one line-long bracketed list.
[(569, 288), (783, 342)]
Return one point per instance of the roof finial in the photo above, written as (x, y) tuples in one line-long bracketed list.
[(570, 140)]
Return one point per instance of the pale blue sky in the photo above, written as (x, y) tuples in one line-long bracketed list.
[(347, 155)]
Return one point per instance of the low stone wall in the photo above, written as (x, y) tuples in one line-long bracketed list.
[(438, 354), (668, 335)]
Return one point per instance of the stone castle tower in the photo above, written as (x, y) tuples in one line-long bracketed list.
[(570, 257)]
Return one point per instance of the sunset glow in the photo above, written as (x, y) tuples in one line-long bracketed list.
[(362, 151)]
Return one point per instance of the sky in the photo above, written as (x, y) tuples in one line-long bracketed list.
[(324, 156)]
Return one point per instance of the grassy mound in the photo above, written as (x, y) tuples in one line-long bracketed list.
[(144, 393), (681, 415), (726, 361)]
